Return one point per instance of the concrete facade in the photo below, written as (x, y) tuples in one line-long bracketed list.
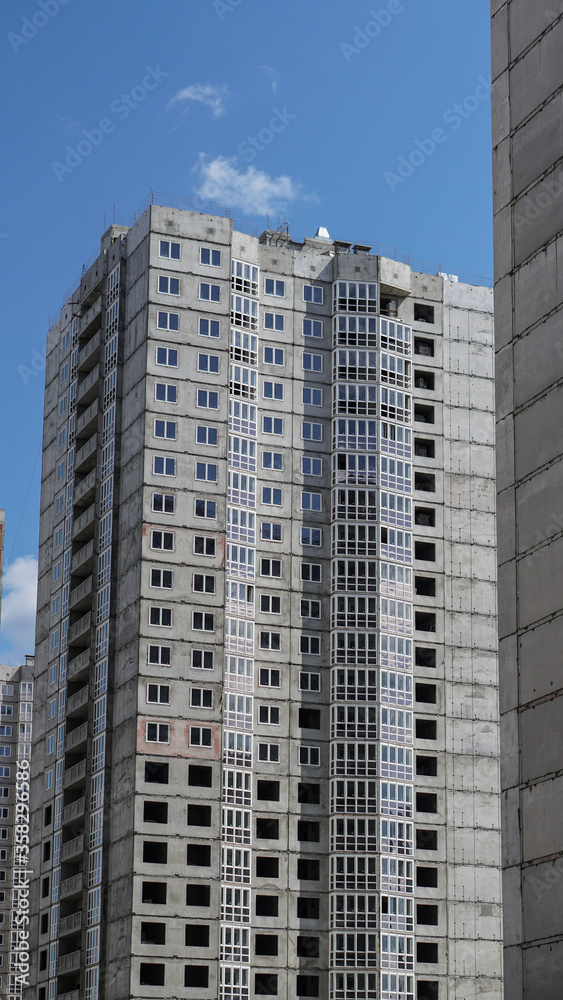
[(528, 206), (267, 609)]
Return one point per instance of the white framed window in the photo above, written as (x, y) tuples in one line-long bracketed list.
[(52, 713), (206, 435), (311, 536), (311, 431), (310, 644), (206, 472), (50, 745), (49, 778), (310, 609), (312, 396), (162, 578), (164, 503), (244, 277), (274, 356), (207, 400), (203, 583), (205, 545), (274, 321), (272, 496), (169, 249), (167, 429), (311, 572), (209, 327), (313, 293), (63, 405), (272, 425), (269, 752), (162, 540), (270, 640), (312, 362), (163, 466), (201, 736), (201, 698), (272, 460), (268, 715), (310, 756), (311, 466), (160, 616), (209, 293), (269, 678), (160, 656), (270, 531), (209, 257), (272, 390), (270, 604), (168, 321), (313, 328), (309, 681), (168, 285), (157, 732), (311, 501), (205, 508), (158, 694), (165, 392), (203, 621), (167, 357), (273, 286), (203, 659), (208, 363)]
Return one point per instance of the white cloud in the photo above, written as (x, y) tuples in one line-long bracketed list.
[(273, 76), (18, 607), (253, 191), (203, 93)]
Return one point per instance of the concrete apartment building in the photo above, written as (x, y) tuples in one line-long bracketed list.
[(528, 181), (266, 680)]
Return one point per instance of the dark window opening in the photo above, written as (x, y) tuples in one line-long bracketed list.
[(427, 878), (308, 907), (267, 867), (427, 766), (425, 586), (424, 447), (308, 947), (424, 347), (267, 906), (44, 923), (199, 815), (425, 516), (156, 772), (154, 893), (309, 869), (425, 729), (155, 853), (267, 829), (423, 313), (196, 976), (426, 914), (426, 802), (151, 975), (424, 657), (426, 693), (309, 793), (427, 840), (46, 850), (423, 414), (266, 944), (48, 816), (308, 831), (424, 621), (199, 854), (201, 777), (424, 380), (427, 952), (42, 961), (198, 895), (309, 718), (426, 990), (268, 791), (424, 482), (197, 935), (265, 984), (155, 812), (153, 933), (307, 986), (425, 551)]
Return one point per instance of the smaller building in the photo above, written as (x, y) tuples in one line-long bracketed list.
[(16, 716)]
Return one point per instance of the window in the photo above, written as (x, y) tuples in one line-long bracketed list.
[(168, 321), (208, 363), (309, 682), (167, 356), (272, 425), (274, 321), (207, 400), (270, 640), (160, 616), (206, 472), (310, 609), (270, 567), (162, 466), (311, 431), (272, 460), (311, 501), (312, 328), (312, 362), (160, 655), (157, 732), (58, 537), (162, 578), (270, 531), (165, 393), (63, 406), (311, 572), (273, 356), (202, 621), (158, 694), (209, 327), (165, 429), (210, 257), (272, 496), (203, 584), (272, 390), (201, 698), (268, 715), (274, 287), (310, 644), (204, 545), (270, 678), (312, 397), (310, 756), (200, 736), (206, 508), (423, 313), (270, 604), (209, 293), (167, 285), (311, 466), (269, 752), (311, 536), (313, 293), (164, 503), (206, 435), (168, 249), (202, 659)]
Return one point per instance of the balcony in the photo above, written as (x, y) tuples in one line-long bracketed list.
[(82, 561), (77, 701), (76, 738), (69, 963), (90, 353), (74, 811), (72, 849), (88, 389), (75, 775), (85, 458), (83, 527), (79, 633), (88, 420), (72, 886), (71, 924), (73, 995), (78, 668), (90, 318), (81, 596), (84, 490)]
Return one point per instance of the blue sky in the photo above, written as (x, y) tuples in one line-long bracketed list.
[(372, 119)]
